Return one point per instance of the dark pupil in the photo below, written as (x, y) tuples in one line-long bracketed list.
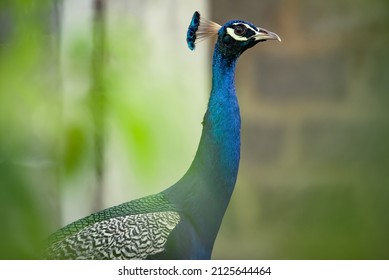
[(240, 30)]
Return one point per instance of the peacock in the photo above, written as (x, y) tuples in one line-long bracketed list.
[(182, 221)]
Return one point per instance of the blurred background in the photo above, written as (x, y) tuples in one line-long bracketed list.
[(101, 102)]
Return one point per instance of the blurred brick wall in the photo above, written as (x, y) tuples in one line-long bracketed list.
[(314, 180)]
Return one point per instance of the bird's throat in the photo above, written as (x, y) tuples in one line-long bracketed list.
[(211, 177), (219, 146), (203, 193), (214, 169)]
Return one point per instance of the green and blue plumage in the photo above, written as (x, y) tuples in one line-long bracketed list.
[(182, 221)]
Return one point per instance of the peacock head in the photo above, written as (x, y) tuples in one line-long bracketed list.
[(233, 38)]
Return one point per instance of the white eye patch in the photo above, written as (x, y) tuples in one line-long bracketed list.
[(231, 32)]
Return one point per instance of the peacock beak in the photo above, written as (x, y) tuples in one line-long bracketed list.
[(264, 34)]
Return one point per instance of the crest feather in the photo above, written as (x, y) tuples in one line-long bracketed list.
[(200, 29)]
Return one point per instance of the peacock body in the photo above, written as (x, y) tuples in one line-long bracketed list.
[(182, 221)]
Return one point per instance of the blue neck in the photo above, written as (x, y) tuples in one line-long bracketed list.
[(215, 166), (204, 192), (219, 148)]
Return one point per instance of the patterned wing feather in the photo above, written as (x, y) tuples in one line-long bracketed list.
[(127, 237), (132, 230)]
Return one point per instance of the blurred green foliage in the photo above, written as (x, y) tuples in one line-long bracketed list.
[(47, 127), (28, 130)]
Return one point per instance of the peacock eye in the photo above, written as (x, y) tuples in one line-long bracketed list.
[(240, 29)]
